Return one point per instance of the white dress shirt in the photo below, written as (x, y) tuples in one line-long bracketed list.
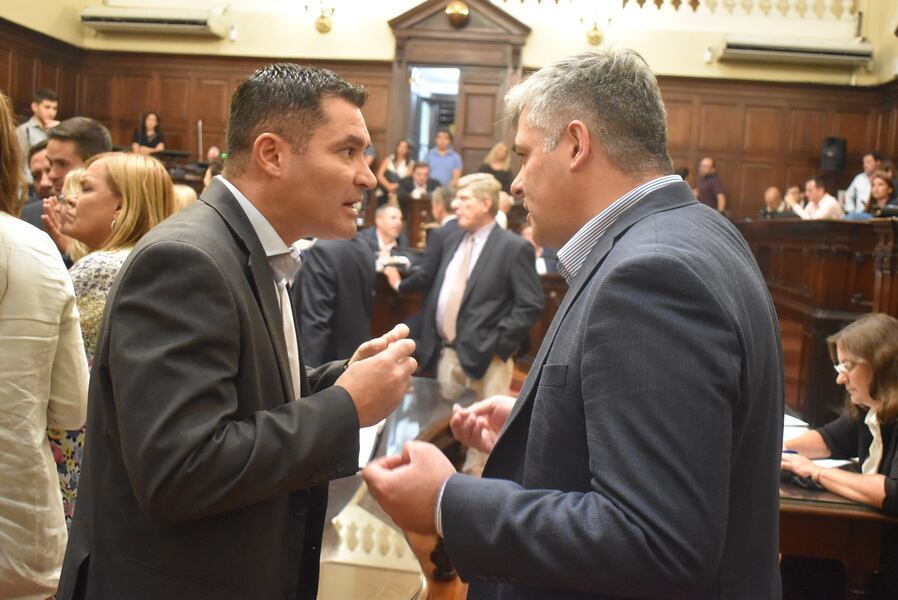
[(43, 382), (480, 237), (274, 247), (827, 208), (858, 193)]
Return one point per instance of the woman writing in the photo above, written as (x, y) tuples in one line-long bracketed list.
[(148, 139), (122, 197), (866, 356)]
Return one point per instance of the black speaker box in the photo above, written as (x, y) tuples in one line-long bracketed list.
[(832, 156)]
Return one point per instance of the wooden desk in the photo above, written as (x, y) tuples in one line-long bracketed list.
[(820, 524), (821, 275)]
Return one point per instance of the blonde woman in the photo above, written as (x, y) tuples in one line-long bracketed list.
[(498, 164), (71, 188), (43, 381), (122, 197)]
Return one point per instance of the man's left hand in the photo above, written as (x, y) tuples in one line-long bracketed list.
[(407, 486), (378, 345)]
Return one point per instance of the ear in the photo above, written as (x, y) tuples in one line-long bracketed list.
[(581, 144), (34, 106), (268, 153)]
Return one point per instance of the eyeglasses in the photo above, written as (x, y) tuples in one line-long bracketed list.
[(845, 366)]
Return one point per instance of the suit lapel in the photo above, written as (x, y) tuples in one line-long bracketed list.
[(476, 273), (667, 198), (261, 277)]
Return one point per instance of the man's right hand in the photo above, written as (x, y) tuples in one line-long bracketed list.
[(393, 277), (377, 384), (478, 426)]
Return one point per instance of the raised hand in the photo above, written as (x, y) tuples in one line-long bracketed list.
[(377, 384), (478, 426)]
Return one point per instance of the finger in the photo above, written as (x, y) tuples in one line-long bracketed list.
[(401, 349), (390, 462)]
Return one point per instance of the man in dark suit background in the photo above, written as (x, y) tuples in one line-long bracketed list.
[(485, 297), (386, 238), (641, 458), (418, 185), (332, 298), (210, 446)]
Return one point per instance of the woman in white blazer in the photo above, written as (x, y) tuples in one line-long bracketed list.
[(43, 382)]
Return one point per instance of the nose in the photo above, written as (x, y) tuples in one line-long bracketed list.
[(842, 378), (517, 186), (366, 178)]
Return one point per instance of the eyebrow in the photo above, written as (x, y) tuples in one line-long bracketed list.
[(352, 140)]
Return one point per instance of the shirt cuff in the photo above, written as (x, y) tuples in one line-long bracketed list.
[(438, 510)]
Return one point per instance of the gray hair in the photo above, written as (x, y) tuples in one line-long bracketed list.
[(613, 92), (483, 186)]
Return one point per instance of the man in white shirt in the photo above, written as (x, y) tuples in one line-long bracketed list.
[(820, 204), (44, 107), (858, 193)]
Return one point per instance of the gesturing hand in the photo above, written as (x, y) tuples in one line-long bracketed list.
[(407, 486), (52, 221), (478, 426), (377, 345), (377, 383)]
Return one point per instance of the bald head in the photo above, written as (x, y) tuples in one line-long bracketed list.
[(772, 198)]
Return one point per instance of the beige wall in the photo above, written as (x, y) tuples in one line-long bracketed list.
[(674, 43)]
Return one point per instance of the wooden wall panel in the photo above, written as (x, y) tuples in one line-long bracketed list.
[(805, 127), (721, 127), (97, 96), (6, 57), (679, 123), (24, 78), (763, 129), (755, 178), (855, 128)]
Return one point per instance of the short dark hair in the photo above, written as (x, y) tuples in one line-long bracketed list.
[(876, 155), (421, 165), (41, 145), (819, 181), (285, 99), (446, 131), (90, 136), (41, 94)]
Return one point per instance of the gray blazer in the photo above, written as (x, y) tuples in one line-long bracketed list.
[(202, 478), (642, 456)]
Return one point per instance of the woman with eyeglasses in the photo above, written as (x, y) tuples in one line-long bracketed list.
[(866, 356)]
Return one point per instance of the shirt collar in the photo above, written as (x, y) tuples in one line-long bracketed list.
[(447, 219), (271, 241), (484, 232), (573, 254)]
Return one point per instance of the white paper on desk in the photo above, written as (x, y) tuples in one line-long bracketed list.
[(793, 432), (790, 421), (832, 463), (367, 441)]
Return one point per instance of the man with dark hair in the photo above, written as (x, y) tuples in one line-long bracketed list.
[(858, 192), (69, 145), (445, 163), (418, 185), (820, 204), (641, 457), (44, 107), (710, 187), (206, 472), (41, 187)]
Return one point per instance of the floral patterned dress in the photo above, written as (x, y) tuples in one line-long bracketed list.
[(92, 277)]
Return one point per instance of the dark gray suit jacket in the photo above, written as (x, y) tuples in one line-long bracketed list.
[(502, 300), (641, 459), (202, 478), (333, 297)]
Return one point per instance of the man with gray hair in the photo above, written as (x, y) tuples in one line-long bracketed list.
[(485, 298), (641, 458)]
